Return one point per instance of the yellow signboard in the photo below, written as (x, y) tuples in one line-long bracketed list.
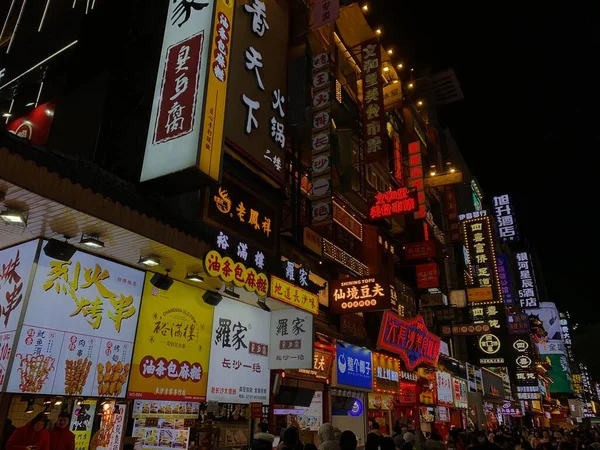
[(172, 344), (242, 276), (286, 292), (211, 145), (444, 179), (480, 294)]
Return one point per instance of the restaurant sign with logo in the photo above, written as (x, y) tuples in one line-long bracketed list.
[(361, 294), (409, 339), (231, 207)]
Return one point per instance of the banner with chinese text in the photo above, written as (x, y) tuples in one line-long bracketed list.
[(85, 346), (172, 349), (239, 357), (374, 114), (82, 420), (291, 340)]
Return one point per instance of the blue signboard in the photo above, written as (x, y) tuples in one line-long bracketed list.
[(505, 280), (354, 366)]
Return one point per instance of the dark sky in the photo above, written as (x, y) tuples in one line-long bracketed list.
[(528, 125)]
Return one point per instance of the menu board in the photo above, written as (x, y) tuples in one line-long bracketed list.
[(84, 346), (163, 424), (82, 421)]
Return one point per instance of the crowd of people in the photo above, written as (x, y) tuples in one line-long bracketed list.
[(407, 438)]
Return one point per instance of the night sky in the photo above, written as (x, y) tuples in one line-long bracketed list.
[(528, 125)]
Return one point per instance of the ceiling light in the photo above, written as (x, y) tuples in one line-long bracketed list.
[(395, 81), (47, 410), (30, 404), (412, 70), (160, 281), (410, 85), (12, 216), (420, 103), (432, 173), (390, 51), (150, 261), (62, 251), (91, 241), (58, 402), (378, 31), (365, 7), (195, 277), (386, 69), (400, 66), (452, 170), (262, 304), (30, 104)]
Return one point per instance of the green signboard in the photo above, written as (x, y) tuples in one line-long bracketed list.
[(560, 373)]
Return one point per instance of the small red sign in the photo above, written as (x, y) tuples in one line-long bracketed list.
[(427, 276), (393, 203), (35, 126), (419, 250), (256, 410)]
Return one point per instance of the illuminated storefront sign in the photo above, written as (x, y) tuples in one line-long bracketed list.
[(236, 272), (360, 295), (460, 393), (419, 250), (190, 60), (409, 339), (233, 208), (451, 207), (345, 259), (473, 215), (444, 388), (385, 373), (427, 275), (321, 370), (291, 340), (415, 164), (505, 280), (505, 218), (374, 128), (480, 294), (354, 366), (479, 242), (490, 345), (527, 290), (241, 250), (518, 323), (289, 293), (393, 203)]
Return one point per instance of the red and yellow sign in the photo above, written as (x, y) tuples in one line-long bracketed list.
[(211, 146), (480, 294), (224, 268), (289, 293), (172, 344)]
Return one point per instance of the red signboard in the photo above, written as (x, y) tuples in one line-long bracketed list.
[(179, 90), (408, 393), (409, 339), (35, 126), (427, 275), (397, 159), (419, 250), (415, 164), (393, 203), (256, 410)]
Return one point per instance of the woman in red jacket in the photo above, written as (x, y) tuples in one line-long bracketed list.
[(61, 437), (31, 436)]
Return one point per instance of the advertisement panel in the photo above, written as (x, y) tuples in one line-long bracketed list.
[(170, 361), (16, 264), (443, 381), (291, 340), (289, 293), (353, 366), (85, 346), (174, 133), (460, 393), (239, 357), (82, 420), (553, 342), (560, 373)]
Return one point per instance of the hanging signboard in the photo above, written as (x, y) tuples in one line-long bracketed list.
[(360, 294), (465, 329), (289, 293), (291, 340), (374, 113), (393, 203), (354, 366), (427, 275), (321, 369), (224, 268), (85, 346), (419, 250), (444, 388), (239, 357), (394, 337), (170, 361), (385, 373), (444, 179)]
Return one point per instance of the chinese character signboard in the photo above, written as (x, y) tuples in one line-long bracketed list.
[(354, 366), (392, 99), (321, 159), (180, 114), (325, 11), (524, 361), (241, 251), (443, 382), (419, 250), (112, 419), (82, 420), (170, 361), (460, 393), (393, 203), (415, 164), (477, 238), (224, 268), (409, 339), (474, 378), (85, 346), (373, 110), (347, 221), (444, 179), (16, 265), (505, 280), (291, 342), (505, 218), (427, 275), (480, 294), (398, 169), (231, 207), (312, 240), (321, 369), (518, 323), (451, 207), (361, 294), (489, 346), (465, 329), (239, 357), (385, 373), (528, 297), (256, 111), (289, 293)]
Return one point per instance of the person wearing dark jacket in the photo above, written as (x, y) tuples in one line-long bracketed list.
[(263, 440), (61, 438), (31, 436)]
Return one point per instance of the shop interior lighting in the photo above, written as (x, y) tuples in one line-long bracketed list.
[(365, 7), (386, 69), (452, 170), (262, 304), (390, 51), (411, 85), (47, 410), (432, 173), (92, 241), (13, 216), (195, 277), (150, 261), (58, 402), (420, 103), (30, 403)]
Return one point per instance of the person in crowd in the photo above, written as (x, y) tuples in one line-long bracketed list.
[(373, 441), (31, 436), (375, 428), (327, 438), (7, 432), (409, 441), (435, 442), (263, 440), (387, 443), (397, 436), (61, 438), (290, 440), (348, 440), (310, 446), (481, 442)]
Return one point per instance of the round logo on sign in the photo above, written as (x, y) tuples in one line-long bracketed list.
[(357, 408), (342, 363), (321, 120), (25, 130), (489, 344), (320, 61), (321, 211), (320, 142), (523, 361), (520, 345), (320, 164), (320, 187)]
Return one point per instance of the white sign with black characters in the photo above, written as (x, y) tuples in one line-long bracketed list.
[(291, 340)]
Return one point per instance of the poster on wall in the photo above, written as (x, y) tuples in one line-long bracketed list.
[(16, 264), (444, 388), (82, 420), (85, 346), (110, 434), (172, 349), (239, 357)]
